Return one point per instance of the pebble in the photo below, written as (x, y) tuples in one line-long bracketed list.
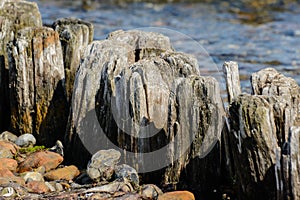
[(39, 187), (6, 153), (101, 167), (128, 173), (8, 136), (6, 176), (177, 195), (50, 186), (26, 140), (8, 192), (48, 159), (66, 173), (8, 149), (33, 176), (43, 164), (151, 191), (8, 163), (59, 187)]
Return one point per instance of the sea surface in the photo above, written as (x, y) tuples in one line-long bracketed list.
[(255, 35)]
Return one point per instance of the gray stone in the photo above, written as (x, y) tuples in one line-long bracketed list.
[(59, 187), (8, 136), (102, 164), (50, 186), (8, 192), (25, 140), (32, 176), (125, 172), (150, 191)]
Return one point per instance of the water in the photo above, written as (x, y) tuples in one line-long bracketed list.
[(254, 36)]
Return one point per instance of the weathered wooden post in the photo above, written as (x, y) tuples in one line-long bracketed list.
[(74, 35), (143, 97), (231, 71), (294, 162), (264, 147), (14, 15), (37, 93)]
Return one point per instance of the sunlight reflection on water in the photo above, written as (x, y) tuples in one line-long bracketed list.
[(227, 31)]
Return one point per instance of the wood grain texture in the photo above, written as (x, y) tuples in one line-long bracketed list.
[(37, 93)]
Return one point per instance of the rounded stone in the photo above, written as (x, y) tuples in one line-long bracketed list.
[(51, 187), (128, 173), (177, 195), (101, 167), (151, 191), (8, 163), (6, 153), (8, 149), (33, 176), (66, 173), (37, 187), (25, 140), (59, 187), (8, 136), (8, 192), (6, 177), (49, 160)]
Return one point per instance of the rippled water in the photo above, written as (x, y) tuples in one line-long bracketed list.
[(256, 38)]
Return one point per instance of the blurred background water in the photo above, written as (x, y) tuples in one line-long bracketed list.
[(256, 34)]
